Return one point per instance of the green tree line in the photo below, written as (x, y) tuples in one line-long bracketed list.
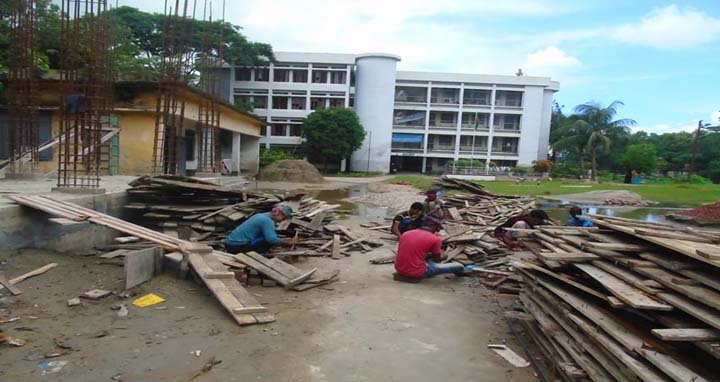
[(136, 38), (590, 138)]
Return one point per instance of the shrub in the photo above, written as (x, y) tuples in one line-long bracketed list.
[(543, 165), (268, 156), (565, 171), (521, 170)]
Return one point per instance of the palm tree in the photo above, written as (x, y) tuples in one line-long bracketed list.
[(590, 129), (571, 136)]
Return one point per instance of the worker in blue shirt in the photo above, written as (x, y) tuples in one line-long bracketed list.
[(257, 234), (575, 221)]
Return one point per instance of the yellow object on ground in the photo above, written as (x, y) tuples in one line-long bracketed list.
[(147, 300)]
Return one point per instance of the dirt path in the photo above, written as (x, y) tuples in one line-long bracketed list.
[(364, 328)]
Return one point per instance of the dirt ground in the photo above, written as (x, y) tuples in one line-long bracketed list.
[(366, 327)]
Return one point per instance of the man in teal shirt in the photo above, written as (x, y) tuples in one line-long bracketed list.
[(257, 234)]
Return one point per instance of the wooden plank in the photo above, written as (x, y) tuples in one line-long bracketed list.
[(336, 247), (687, 334), (9, 286), (622, 290), (700, 293), (317, 220), (619, 247), (567, 256), (630, 277), (353, 236), (219, 275), (455, 214), (36, 272), (670, 366), (702, 312)]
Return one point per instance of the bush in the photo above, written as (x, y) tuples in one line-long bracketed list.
[(268, 156), (464, 162), (543, 165), (566, 171), (521, 170)]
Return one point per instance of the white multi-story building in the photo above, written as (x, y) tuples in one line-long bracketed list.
[(416, 121)]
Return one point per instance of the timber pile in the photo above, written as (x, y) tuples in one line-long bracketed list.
[(206, 213), (448, 182), (624, 301), (486, 210)]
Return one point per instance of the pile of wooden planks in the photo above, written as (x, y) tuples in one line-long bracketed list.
[(448, 182), (486, 210), (206, 213), (624, 301)]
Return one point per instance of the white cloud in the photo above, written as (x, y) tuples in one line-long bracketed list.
[(551, 57), (715, 117), (670, 28), (661, 128)]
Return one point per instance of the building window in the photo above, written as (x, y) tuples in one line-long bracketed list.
[(319, 76), (507, 122), (278, 130), (279, 102), (300, 75), (445, 96), (337, 77), (189, 145), (410, 94), (476, 97), (317, 103), (352, 101), (262, 74), (508, 98), (243, 74), (337, 102), (297, 103), (260, 101), (469, 120), (281, 75), (296, 130)]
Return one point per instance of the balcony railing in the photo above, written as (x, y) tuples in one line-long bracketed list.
[(508, 152), (508, 103), (476, 101), (441, 148), (507, 128), (410, 99), (445, 100), (471, 126), (443, 125), (469, 149), (409, 126), (406, 150)]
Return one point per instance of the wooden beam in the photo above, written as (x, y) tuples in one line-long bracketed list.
[(687, 334)]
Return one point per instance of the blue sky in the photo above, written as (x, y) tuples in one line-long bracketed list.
[(661, 58)]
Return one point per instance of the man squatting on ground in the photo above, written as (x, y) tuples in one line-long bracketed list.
[(419, 254), (258, 234), (509, 237), (432, 205), (412, 219)]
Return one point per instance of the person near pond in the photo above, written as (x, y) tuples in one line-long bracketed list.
[(575, 219), (419, 254), (412, 219), (506, 231), (433, 206), (258, 234)]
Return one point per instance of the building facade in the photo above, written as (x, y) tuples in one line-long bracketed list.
[(416, 121)]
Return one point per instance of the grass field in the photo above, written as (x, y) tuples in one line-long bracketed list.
[(667, 194)]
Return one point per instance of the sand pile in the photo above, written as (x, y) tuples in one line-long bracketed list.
[(708, 212), (291, 171)]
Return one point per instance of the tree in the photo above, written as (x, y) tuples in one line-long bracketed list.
[(641, 157), (572, 137), (332, 133), (141, 34), (598, 124)]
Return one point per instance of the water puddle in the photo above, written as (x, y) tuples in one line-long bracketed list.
[(559, 211), (338, 196)]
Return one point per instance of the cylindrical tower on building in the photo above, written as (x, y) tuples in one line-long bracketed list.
[(374, 103)]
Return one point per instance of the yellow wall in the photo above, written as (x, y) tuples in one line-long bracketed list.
[(137, 132)]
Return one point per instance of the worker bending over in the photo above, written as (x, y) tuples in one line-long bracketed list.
[(419, 254), (575, 219), (258, 234), (509, 237), (412, 219)]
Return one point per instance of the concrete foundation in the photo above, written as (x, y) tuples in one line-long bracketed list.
[(79, 190), (33, 175), (23, 227)]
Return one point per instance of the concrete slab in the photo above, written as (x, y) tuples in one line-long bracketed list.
[(140, 266)]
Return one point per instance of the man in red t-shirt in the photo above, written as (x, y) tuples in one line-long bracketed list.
[(419, 252)]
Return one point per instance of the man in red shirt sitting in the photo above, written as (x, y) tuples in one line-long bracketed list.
[(419, 254)]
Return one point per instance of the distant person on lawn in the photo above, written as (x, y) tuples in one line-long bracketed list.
[(433, 206), (258, 234), (509, 237), (575, 219), (412, 219), (419, 254)]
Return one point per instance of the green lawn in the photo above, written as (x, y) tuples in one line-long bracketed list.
[(667, 194)]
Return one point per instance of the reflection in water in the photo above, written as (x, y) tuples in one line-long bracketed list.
[(338, 197), (559, 211)]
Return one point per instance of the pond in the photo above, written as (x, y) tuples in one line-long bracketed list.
[(559, 211)]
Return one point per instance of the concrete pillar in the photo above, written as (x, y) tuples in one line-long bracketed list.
[(374, 104), (236, 152)]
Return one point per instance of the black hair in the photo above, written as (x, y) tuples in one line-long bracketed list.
[(575, 211), (417, 206), (540, 214)]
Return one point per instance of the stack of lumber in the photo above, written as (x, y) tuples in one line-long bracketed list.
[(448, 182), (486, 210), (203, 212), (624, 301)]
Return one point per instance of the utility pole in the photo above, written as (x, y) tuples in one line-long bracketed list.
[(693, 149)]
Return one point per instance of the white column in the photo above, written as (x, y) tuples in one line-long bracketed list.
[(236, 152), (491, 122)]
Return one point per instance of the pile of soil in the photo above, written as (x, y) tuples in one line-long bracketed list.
[(291, 171), (708, 212)]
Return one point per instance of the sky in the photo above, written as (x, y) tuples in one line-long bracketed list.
[(660, 58)]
